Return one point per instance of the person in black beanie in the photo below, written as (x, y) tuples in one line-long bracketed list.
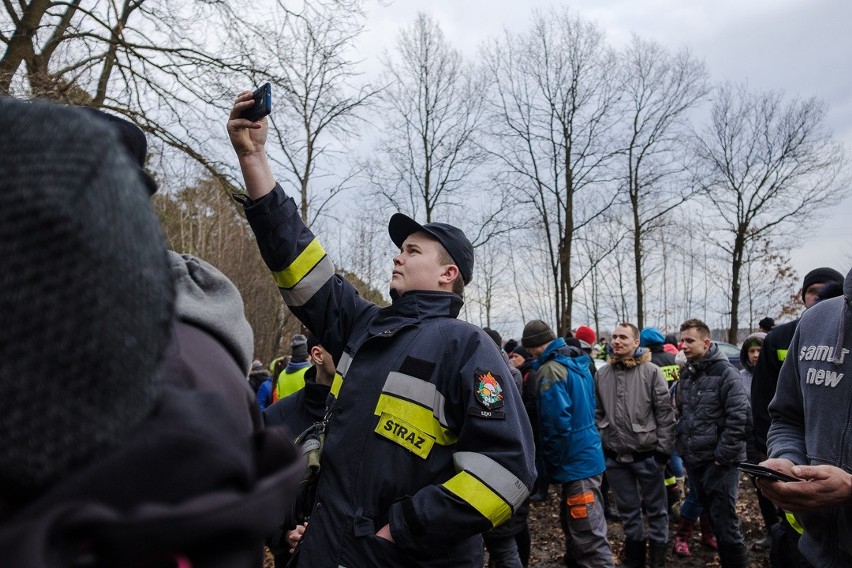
[(763, 387), (766, 324), (571, 444), (104, 461), (774, 351)]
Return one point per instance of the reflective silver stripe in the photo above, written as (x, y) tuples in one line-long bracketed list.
[(494, 475), (299, 294), (419, 391), (343, 364)]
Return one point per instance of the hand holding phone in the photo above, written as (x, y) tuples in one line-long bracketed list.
[(758, 471), (262, 104)]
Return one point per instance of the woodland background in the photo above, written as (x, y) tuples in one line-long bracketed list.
[(597, 184)]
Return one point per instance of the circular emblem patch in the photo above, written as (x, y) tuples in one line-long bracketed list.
[(488, 389)]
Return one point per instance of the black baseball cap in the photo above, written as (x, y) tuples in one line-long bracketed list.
[(451, 238), (133, 140)]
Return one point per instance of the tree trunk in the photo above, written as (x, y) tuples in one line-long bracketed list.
[(736, 266), (637, 261), (20, 47)]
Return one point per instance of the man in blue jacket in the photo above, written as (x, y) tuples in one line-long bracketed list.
[(427, 444), (571, 443)]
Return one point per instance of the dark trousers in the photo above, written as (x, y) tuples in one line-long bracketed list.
[(717, 487)]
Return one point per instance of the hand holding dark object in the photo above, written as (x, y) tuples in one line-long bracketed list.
[(819, 486), (249, 140), (262, 98), (762, 472)]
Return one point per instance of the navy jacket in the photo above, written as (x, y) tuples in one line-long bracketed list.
[(715, 416), (426, 433)]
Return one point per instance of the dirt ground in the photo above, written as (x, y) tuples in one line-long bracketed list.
[(548, 548), (548, 543)]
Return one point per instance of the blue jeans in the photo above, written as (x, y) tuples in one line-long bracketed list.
[(691, 508), (676, 465)]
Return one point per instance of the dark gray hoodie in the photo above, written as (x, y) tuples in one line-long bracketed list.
[(811, 418)]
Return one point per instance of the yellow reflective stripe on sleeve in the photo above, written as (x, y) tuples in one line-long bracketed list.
[(336, 384), (474, 492), (782, 354), (299, 294), (419, 416), (498, 478), (300, 267)]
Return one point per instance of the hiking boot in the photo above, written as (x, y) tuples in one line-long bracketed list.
[(733, 555), (681, 540), (708, 539), (634, 553), (657, 554)]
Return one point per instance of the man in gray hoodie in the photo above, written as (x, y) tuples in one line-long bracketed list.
[(810, 435)]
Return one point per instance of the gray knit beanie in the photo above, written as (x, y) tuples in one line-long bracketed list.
[(299, 348), (86, 295), (537, 333)]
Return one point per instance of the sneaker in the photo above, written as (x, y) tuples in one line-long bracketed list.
[(765, 542), (681, 547)]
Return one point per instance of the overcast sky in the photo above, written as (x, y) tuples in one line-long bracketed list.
[(800, 46)]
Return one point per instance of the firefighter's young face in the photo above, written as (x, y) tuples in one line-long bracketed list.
[(418, 265)]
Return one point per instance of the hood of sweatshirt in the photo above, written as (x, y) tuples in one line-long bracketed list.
[(758, 336)]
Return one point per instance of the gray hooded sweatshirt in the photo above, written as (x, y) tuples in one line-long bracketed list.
[(812, 421)]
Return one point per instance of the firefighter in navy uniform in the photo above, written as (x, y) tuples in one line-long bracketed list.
[(428, 444)]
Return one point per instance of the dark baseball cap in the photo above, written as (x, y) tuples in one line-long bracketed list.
[(451, 238), (133, 140)]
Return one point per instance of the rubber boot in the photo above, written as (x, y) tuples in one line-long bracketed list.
[(733, 555), (708, 539), (657, 554), (681, 541), (634, 553)]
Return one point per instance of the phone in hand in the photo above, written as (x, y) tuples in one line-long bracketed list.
[(759, 471), (262, 104)]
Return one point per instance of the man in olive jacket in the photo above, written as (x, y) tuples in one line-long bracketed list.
[(636, 422), (711, 434)]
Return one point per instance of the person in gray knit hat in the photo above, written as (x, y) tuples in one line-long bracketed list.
[(571, 443), (536, 333), (105, 462)]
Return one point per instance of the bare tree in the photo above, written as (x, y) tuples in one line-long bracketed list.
[(433, 110), (317, 103), (138, 58), (660, 88), (768, 165), (555, 103)]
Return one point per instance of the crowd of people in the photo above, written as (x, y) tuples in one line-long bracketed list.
[(387, 436)]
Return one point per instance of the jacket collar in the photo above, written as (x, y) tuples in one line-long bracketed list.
[(641, 355), (712, 356), (413, 307)]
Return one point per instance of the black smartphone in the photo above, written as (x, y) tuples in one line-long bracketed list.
[(262, 104), (756, 471)]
